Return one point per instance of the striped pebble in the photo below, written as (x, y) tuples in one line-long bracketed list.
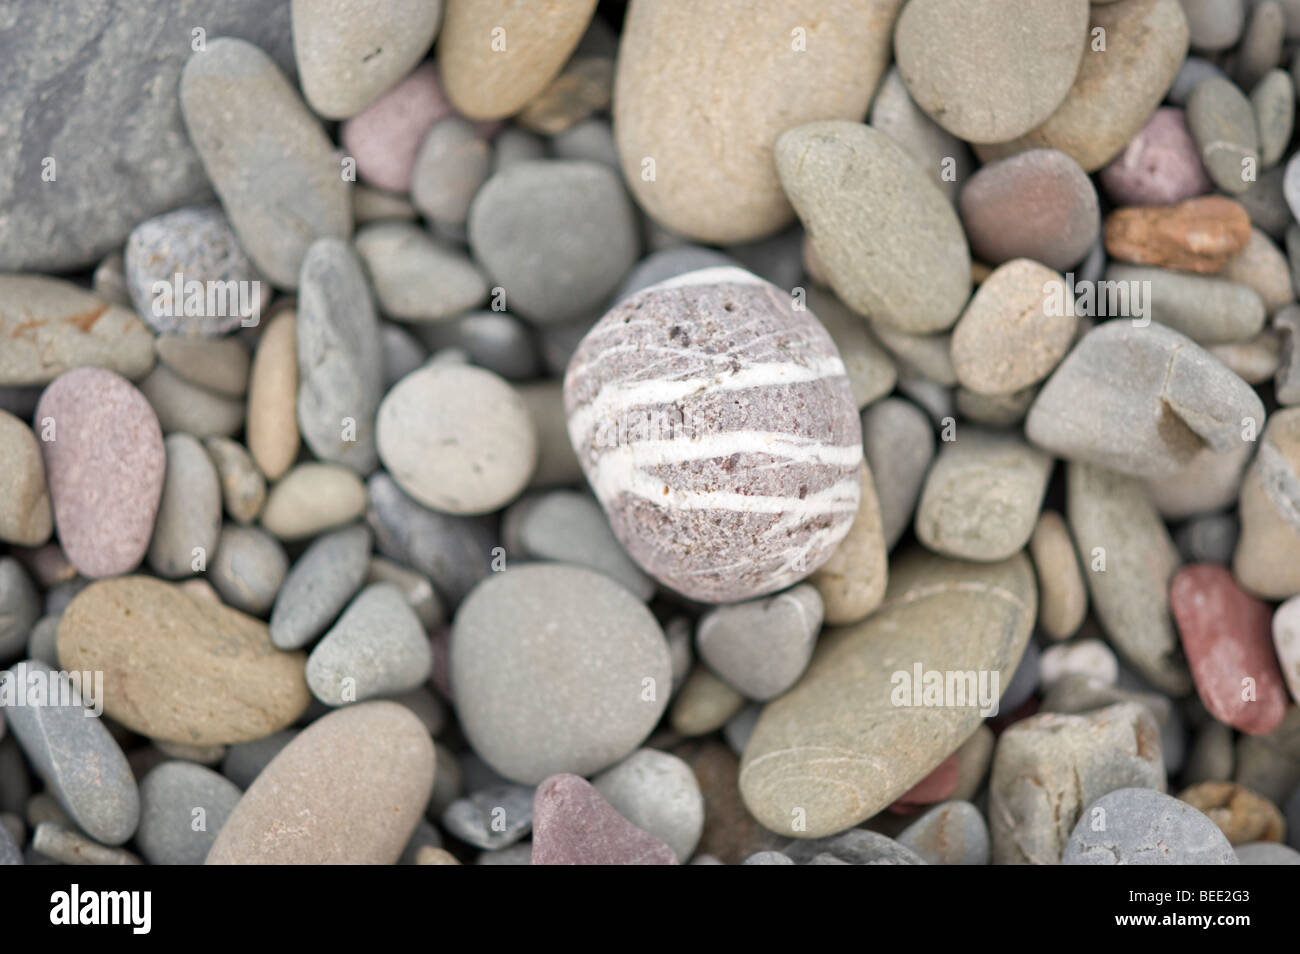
[(716, 424)]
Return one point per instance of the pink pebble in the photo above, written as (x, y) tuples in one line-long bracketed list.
[(574, 825), (386, 135), (1161, 166), (1227, 636), (935, 787)]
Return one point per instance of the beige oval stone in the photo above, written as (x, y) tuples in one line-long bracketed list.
[(243, 488), (496, 55), (25, 515), (180, 668), (1007, 338), (1267, 560), (272, 428), (313, 498), (348, 790), (704, 703), (1062, 594), (218, 364), (704, 87), (852, 582), (836, 749)]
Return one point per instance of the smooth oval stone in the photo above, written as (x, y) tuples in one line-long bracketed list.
[(1215, 24), (702, 166), (349, 52), (569, 527), (340, 365), (25, 516), (1286, 383), (1242, 815), (217, 364), (1273, 101), (375, 205), (20, 607), (349, 789), (1140, 400), (244, 762), (1062, 596), (762, 647), (1007, 338), (603, 648), (1049, 768), (857, 847), (1262, 267), (385, 137), (1226, 635), (189, 513), (1118, 85), (403, 352), (495, 56), (1209, 539), (1197, 235), (729, 467), (658, 793), (592, 139), (887, 237), (272, 425), (1087, 657), (243, 488), (982, 496), (104, 462), (492, 818), (198, 244), (836, 746), (1267, 558), (852, 582), (499, 342), (1139, 826), (453, 162), (1160, 166), (919, 356), (419, 278), (703, 703), (558, 235), (981, 81), (1223, 124), (1207, 308), (1261, 44), (174, 798), (454, 552), (184, 406), (574, 825), (377, 648), (1210, 482), (319, 585), (48, 326), (73, 752), (266, 155), (871, 372), (898, 442), (457, 439), (953, 833), (248, 568), (313, 498), (895, 113), (180, 668), (1286, 642), (1128, 560)]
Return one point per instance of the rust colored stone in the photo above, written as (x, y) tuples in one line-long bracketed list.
[(1198, 235)]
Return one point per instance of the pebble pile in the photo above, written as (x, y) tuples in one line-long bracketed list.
[(765, 432)]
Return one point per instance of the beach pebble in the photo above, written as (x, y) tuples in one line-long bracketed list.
[(607, 655), (569, 527), (271, 429), (453, 162), (243, 488), (189, 513), (182, 808), (952, 833), (657, 792), (247, 568), (1140, 826), (25, 515), (184, 406), (1267, 559), (943, 155), (1260, 265), (307, 806), (1209, 309), (703, 703), (1215, 24), (104, 460), (1226, 634), (311, 499), (1062, 595), (852, 582), (1261, 44), (349, 52), (319, 585), (1223, 124), (416, 277), (1196, 235), (1286, 642), (1254, 360), (899, 445), (762, 647), (1242, 815), (340, 365), (385, 137), (491, 818), (457, 439), (574, 825), (857, 847), (197, 244), (557, 235), (1209, 539), (882, 750), (982, 496), (1160, 166), (180, 668), (1273, 100), (217, 364), (377, 648), (266, 155), (1088, 657), (1267, 853), (499, 342), (905, 262), (871, 372), (1210, 482)]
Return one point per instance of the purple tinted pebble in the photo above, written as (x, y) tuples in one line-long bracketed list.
[(574, 825), (1160, 166)]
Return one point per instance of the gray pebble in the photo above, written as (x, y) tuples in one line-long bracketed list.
[(1138, 826), (520, 854), (1024, 681), (20, 607), (513, 145), (415, 587), (1223, 125), (182, 807), (492, 818), (319, 585), (184, 406), (1209, 539), (66, 846), (1211, 757), (10, 853), (494, 340), (895, 113), (592, 140), (658, 793), (1266, 203), (569, 527), (403, 352), (1206, 308), (669, 263), (768, 858), (1267, 853), (871, 371), (741, 726), (953, 833), (1261, 45), (856, 846), (1214, 24), (1191, 73), (42, 643), (245, 761), (425, 706), (248, 568), (189, 514), (1286, 384), (899, 445), (1273, 100), (777, 258), (761, 647), (417, 277)]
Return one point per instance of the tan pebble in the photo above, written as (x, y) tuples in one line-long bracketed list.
[(272, 428)]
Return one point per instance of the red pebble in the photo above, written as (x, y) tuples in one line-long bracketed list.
[(935, 787), (1227, 636), (574, 825)]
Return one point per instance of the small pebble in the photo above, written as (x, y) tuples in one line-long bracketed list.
[(247, 569), (574, 825), (1138, 826), (761, 647), (182, 808)]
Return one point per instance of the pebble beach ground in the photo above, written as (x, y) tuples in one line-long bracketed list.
[(653, 432)]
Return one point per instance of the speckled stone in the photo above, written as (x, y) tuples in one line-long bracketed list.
[(840, 724), (857, 847), (189, 513), (1062, 595), (1242, 815), (182, 808), (349, 789), (20, 607), (198, 244), (905, 263), (491, 818), (311, 499), (179, 668), (419, 278), (243, 488), (278, 177), (898, 442), (1160, 166), (319, 585), (1138, 826), (606, 654), (25, 516), (76, 756), (574, 825), (657, 792), (377, 648), (271, 429), (676, 426), (1223, 124), (104, 465)]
